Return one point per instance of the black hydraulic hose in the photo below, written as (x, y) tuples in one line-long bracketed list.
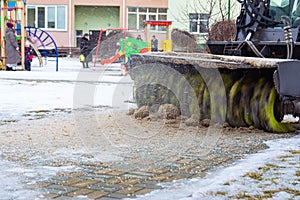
[(250, 10), (257, 13), (250, 13), (251, 22)]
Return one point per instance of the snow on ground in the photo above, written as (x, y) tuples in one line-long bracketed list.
[(273, 173), (16, 178), (71, 87)]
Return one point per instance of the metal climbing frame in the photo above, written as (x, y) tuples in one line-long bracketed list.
[(14, 12), (43, 41)]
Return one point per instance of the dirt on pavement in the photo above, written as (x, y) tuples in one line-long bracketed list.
[(163, 150)]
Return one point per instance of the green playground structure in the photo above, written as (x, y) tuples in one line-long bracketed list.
[(128, 46), (132, 46)]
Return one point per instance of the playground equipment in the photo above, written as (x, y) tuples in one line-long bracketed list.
[(41, 41), (36, 52), (128, 45), (44, 43), (112, 45), (167, 43), (13, 12)]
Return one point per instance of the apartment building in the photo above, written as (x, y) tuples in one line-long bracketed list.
[(68, 20)]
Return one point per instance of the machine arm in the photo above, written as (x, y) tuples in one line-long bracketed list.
[(254, 13)]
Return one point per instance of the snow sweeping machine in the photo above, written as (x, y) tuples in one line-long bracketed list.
[(251, 81)]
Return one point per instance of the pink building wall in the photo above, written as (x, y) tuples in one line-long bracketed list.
[(67, 38)]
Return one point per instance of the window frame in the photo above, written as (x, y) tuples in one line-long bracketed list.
[(200, 19), (46, 21), (147, 11)]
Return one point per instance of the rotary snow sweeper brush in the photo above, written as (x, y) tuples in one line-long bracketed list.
[(240, 91)]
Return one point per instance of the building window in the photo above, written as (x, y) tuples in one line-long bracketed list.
[(137, 15), (47, 17), (198, 22)]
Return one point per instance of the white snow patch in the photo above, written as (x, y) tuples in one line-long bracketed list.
[(71, 87), (15, 178)]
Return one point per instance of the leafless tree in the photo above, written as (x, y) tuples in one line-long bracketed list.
[(218, 12)]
